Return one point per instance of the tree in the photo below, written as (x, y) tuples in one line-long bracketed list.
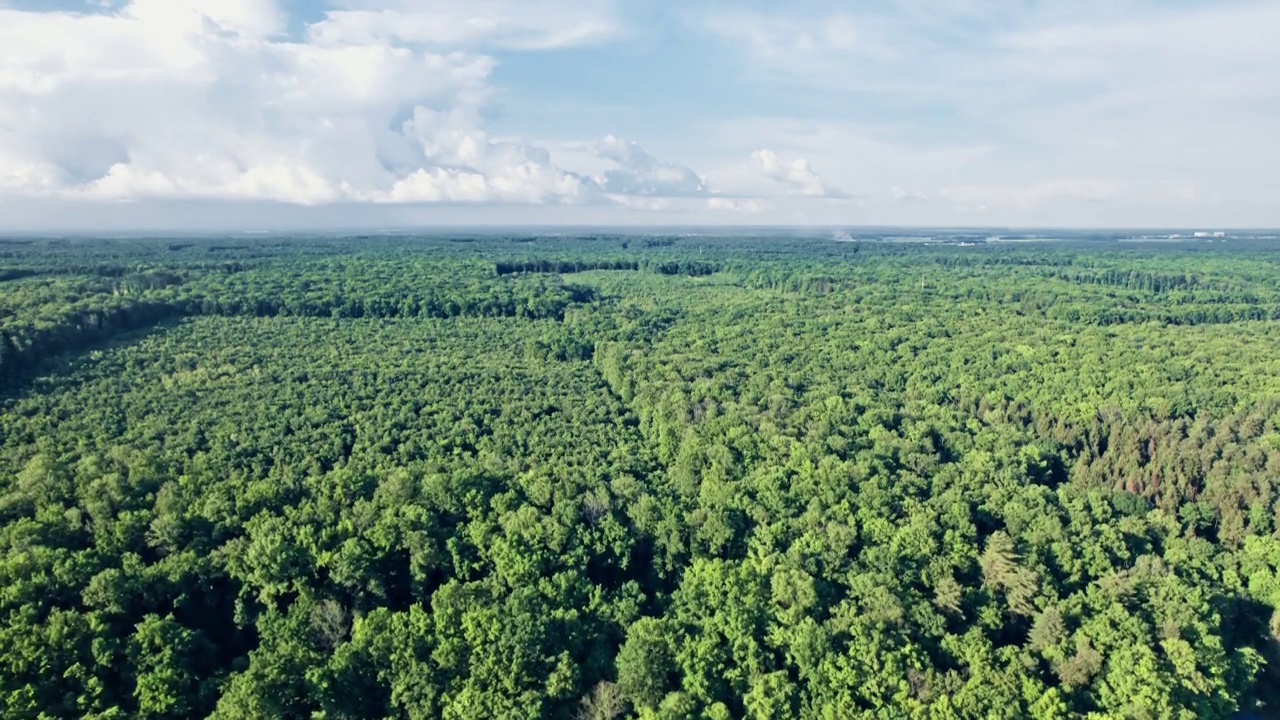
[(605, 702)]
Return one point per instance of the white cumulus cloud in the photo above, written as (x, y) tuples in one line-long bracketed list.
[(797, 176), (210, 99), (640, 173), (766, 173)]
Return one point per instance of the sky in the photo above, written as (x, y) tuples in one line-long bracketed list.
[(259, 114)]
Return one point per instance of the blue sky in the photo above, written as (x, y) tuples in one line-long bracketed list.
[(251, 113)]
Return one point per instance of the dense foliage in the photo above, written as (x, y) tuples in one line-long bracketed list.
[(654, 477)]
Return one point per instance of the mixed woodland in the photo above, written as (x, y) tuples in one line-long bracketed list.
[(638, 476)]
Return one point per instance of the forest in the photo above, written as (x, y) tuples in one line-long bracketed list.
[(599, 476)]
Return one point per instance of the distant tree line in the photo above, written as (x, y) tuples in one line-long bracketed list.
[(667, 267)]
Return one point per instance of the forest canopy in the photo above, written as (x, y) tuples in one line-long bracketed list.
[(619, 476)]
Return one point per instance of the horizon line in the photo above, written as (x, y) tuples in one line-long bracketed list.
[(616, 228)]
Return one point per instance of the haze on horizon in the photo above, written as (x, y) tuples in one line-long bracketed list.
[(156, 114)]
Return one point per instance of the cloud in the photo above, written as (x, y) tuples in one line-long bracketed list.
[(742, 188), (737, 205), (769, 174), (463, 164), (1087, 190), (196, 98), (379, 103), (247, 18), (206, 99), (650, 204), (1135, 97), (511, 24), (859, 158), (902, 194), (639, 173), (1056, 112), (797, 175), (800, 41)]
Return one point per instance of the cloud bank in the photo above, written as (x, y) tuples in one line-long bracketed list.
[(211, 99), (1049, 112)]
